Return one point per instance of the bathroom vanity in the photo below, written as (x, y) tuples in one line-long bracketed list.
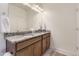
[(28, 45)]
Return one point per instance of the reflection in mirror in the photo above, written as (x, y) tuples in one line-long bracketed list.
[(22, 18)]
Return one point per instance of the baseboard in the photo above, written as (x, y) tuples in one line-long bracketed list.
[(65, 52)]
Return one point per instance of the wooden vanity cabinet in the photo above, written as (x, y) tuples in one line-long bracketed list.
[(44, 46), (46, 42), (32, 50), (35, 46), (27, 51)]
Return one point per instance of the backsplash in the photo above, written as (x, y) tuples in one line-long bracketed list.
[(21, 33)]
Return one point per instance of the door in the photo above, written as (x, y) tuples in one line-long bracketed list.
[(28, 51), (44, 45), (48, 42), (37, 48)]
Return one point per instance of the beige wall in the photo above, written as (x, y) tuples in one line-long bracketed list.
[(61, 20)]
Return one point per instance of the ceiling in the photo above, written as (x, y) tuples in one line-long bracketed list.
[(52, 6), (22, 6), (47, 6)]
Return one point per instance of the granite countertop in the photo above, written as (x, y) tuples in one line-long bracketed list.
[(19, 38)]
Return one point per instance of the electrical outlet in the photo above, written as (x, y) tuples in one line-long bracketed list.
[(77, 10), (77, 48)]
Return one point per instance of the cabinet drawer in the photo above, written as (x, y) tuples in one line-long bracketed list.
[(46, 35), (26, 43), (28, 51)]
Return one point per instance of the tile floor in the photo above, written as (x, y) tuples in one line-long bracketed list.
[(53, 53)]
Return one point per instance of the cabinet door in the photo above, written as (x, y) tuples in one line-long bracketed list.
[(44, 45), (37, 48), (48, 42), (28, 51)]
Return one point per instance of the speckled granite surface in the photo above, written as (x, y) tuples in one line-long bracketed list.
[(18, 38)]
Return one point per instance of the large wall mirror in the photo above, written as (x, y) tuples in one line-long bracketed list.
[(23, 18)]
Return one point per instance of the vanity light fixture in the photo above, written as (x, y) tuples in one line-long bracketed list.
[(37, 6), (34, 7)]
